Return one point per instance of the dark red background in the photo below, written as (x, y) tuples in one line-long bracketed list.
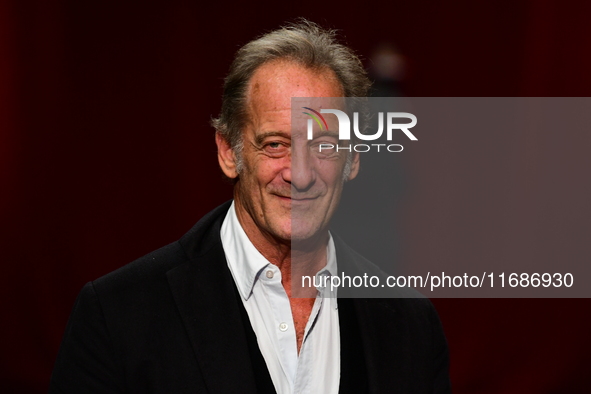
[(106, 152)]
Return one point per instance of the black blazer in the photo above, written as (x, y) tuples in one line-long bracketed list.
[(172, 322)]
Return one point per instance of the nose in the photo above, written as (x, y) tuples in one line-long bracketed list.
[(301, 173)]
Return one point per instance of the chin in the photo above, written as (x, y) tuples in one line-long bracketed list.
[(280, 230), (303, 231)]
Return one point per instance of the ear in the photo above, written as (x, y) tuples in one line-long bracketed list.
[(226, 156), (354, 166)]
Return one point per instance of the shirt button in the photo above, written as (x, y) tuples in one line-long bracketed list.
[(283, 326), (270, 274)]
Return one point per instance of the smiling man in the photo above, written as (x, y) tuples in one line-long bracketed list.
[(216, 312), (272, 187)]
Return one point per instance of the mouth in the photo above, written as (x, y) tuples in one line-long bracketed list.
[(283, 199), (303, 199), (297, 199)]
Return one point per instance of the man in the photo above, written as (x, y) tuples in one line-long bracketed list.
[(214, 312)]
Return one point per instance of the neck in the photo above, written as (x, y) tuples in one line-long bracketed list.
[(293, 258)]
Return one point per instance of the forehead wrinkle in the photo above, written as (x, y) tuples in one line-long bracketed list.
[(326, 133), (277, 79), (280, 71)]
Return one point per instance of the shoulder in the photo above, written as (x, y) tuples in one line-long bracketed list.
[(145, 279), (143, 272)]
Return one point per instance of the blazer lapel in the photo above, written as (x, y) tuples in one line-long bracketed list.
[(204, 292)]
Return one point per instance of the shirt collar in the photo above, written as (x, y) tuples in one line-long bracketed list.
[(246, 262), (331, 258)]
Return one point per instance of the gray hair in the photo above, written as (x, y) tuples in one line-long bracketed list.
[(303, 42)]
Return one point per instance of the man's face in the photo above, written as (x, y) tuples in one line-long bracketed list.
[(286, 190)]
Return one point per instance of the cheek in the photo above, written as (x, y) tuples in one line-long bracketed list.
[(269, 170), (253, 168), (330, 172), (260, 180)]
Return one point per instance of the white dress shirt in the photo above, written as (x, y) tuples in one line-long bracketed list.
[(317, 368)]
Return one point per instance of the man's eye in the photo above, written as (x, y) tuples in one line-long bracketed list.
[(275, 148)]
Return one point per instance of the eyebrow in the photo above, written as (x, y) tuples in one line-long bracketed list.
[(325, 133), (261, 137)]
